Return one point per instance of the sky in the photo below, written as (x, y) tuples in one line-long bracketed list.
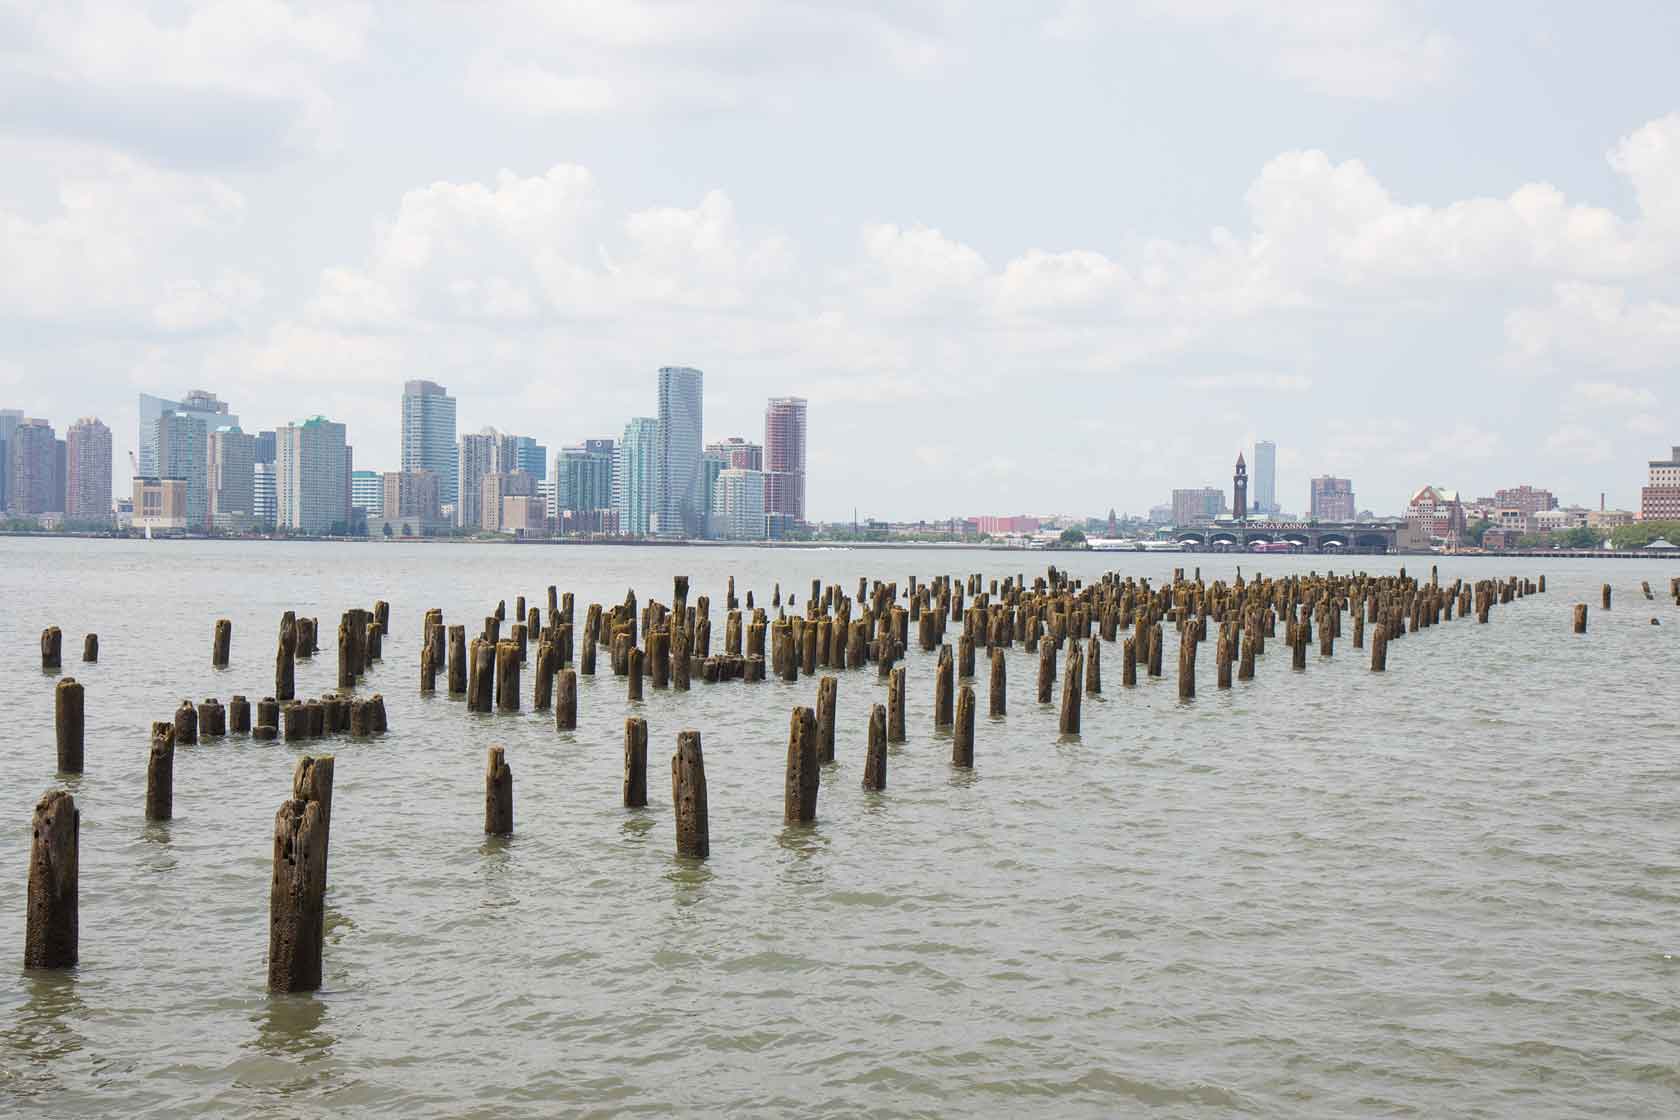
[(1050, 257)]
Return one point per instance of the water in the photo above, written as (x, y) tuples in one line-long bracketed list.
[(1453, 888)]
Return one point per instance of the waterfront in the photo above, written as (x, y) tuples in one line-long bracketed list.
[(1449, 888)]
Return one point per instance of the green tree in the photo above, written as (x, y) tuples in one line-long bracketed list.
[(1477, 530), (1072, 538), (1581, 536), (1644, 532)]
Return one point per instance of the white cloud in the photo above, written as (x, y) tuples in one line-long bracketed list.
[(1260, 382), (1595, 326), (1610, 394), (1578, 443)]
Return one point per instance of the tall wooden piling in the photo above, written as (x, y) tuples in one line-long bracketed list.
[(160, 773), (542, 685), (507, 676), (895, 705), (943, 689), (962, 730), (68, 723), (186, 724), (565, 700), (799, 792), (285, 664), (688, 796), (297, 888), (51, 926), (457, 674), (1580, 618), (221, 644), (635, 762), (1186, 668), (1379, 648), (1128, 663), (1605, 595), (828, 696), (1046, 671), (1069, 720), (52, 648), (635, 673), (999, 691), (875, 762), (1093, 666), (498, 792)]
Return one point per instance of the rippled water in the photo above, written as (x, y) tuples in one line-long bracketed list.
[(1453, 888)]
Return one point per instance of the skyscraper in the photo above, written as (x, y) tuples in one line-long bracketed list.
[(678, 511), (738, 504), (312, 483), (200, 404), (1331, 499), (87, 468), (428, 434), (10, 418), (635, 476), (32, 450), (479, 455), (784, 463), (583, 479), (367, 492), (737, 452), (182, 451), (264, 493), (232, 475), (1265, 477)]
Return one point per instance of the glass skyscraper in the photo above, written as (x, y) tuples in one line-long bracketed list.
[(198, 403), (1265, 477), (428, 435), (636, 475), (679, 507)]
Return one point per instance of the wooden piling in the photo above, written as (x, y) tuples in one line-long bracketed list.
[(1605, 594), (799, 791), (875, 762), (68, 722), (1046, 671), (1379, 648), (542, 684), (1093, 666), (51, 926), (999, 693), (221, 643), (943, 688), (962, 731), (298, 885), (1580, 618), (1069, 721), (52, 648), (90, 648), (565, 701), (186, 724), (635, 763), (1222, 660), (285, 665), (239, 715), (457, 661), (498, 792), (635, 673), (895, 705), (507, 676), (688, 796), (481, 678), (828, 696), (1186, 669), (1128, 663), (160, 773)]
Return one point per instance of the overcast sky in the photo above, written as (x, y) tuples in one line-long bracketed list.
[(1040, 257)]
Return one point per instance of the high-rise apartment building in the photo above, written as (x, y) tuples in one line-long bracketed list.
[(1331, 499), (1659, 498), (312, 478), (738, 505), (1265, 478), (204, 406), (265, 497), (635, 476), (264, 451), (528, 456), (33, 459), (232, 478), (428, 434), (10, 418), (677, 509), (412, 496), (60, 472), (784, 463), (738, 453), (583, 479), (87, 468), (478, 457), (496, 486), (367, 492), (183, 451), (1203, 503)]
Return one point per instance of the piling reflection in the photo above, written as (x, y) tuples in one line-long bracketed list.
[(290, 1027), (43, 1029)]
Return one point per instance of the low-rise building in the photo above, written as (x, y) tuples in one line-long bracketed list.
[(1438, 512), (160, 505), (524, 515)]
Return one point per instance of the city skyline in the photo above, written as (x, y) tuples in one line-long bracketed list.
[(1304, 217)]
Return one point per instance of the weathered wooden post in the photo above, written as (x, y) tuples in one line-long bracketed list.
[(1379, 648), (52, 648), (1580, 618), (962, 731), (68, 723), (1069, 721), (298, 885), (186, 724), (1606, 596), (51, 927), (1187, 668), (1093, 666), (1222, 659), (507, 675), (895, 705), (635, 673), (457, 662), (688, 795), (1128, 663), (268, 716), (90, 647), (212, 719), (999, 695), (1046, 671), (659, 658), (944, 688), (498, 791), (481, 679), (542, 687), (285, 666), (828, 697), (361, 725), (346, 654), (875, 762), (565, 701), (160, 773), (221, 644), (799, 791), (635, 763)]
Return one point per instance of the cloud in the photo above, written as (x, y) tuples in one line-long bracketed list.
[(1609, 394), (1595, 326), (1261, 382), (1578, 443)]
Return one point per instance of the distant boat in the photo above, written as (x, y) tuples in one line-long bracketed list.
[(1161, 546)]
